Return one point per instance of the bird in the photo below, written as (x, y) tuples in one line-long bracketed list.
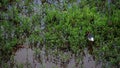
[(90, 41), (90, 37)]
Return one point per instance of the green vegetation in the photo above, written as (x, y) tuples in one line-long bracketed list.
[(65, 28)]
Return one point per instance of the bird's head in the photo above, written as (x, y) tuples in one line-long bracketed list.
[(89, 36)]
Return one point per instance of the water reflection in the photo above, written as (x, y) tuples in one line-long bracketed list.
[(41, 59)]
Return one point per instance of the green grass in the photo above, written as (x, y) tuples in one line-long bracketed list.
[(64, 29)]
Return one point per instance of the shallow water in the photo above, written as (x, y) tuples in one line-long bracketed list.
[(27, 58)]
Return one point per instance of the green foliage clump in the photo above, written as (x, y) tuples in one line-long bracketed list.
[(65, 28)]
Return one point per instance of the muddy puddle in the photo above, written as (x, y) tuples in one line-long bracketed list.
[(41, 58)]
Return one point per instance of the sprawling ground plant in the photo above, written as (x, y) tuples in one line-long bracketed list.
[(61, 26)]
